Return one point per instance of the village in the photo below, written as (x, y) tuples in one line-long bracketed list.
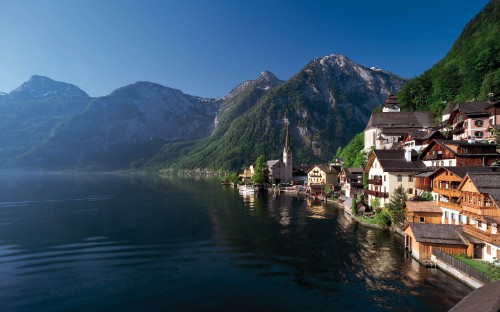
[(447, 175)]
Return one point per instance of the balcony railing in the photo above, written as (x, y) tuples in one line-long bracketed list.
[(485, 236), (376, 194), (375, 181), (454, 206)]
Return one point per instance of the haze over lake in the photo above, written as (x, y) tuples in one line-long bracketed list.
[(150, 243)]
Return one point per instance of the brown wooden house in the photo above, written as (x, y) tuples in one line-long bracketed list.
[(440, 153), (445, 182), (480, 203), (423, 212), (421, 238)]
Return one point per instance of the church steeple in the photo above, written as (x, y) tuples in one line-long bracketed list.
[(287, 159), (391, 104), (287, 141)]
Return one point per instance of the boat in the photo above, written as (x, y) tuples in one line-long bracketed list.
[(247, 188)]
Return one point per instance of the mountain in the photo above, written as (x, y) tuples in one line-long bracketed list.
[(470, 70), (326, 104), (131, 123), (30, 113), (40, 86)]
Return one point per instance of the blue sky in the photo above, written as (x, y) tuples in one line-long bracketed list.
[(207, 47)]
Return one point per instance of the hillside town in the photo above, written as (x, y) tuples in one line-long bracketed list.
[(446, 168)]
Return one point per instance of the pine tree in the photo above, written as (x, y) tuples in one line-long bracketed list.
[(396, 205)]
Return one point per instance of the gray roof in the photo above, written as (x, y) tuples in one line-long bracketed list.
[(473, 108), (462, 171), (352, 173), (487, 183), (449, 234), (401, 120), (271, 163), (485, 299), (445, 144), (449, 108), (394, 161)]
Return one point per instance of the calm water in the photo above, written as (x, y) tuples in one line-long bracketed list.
[(131, 243)]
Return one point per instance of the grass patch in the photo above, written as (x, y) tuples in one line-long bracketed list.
[(367, 220), (478, 264)]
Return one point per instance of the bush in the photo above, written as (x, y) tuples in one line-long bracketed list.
[(354, 207), (426, 196), (383, 217), (493, 270)]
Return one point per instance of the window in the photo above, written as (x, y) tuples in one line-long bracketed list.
[(466, 124), (492, 120), (422, 220), (410, 178), (449, 163), (478, 134), (410, 191), (384, 177), (446, 215), (400, 178), (488, 249), (478, 123)]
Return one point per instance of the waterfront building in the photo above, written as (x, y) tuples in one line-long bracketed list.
[(480, 203), (421, 238), (321, 175), (388, 169), (445, 183), (281, 170), (351, 181)]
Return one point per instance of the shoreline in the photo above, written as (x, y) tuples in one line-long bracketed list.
[(458, 275)]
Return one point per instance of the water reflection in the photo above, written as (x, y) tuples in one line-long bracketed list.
[(173, 243)]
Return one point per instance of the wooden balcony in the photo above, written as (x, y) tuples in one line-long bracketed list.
[(449, 205), (482, 235), (375, 181), (376, 194), (447, 192)]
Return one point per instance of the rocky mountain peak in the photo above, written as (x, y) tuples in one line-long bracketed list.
[(41, 86), (266, 81)]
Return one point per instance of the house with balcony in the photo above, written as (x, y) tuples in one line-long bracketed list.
[(470, 120), (387, 129), (445, 182), (388, 169), (480, 203), (351, 181), (450, 153), (321, 175)]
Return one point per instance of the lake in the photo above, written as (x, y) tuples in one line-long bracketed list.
[(104, 242)]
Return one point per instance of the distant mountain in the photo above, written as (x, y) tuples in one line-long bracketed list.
[(30, 113), (326, 104), (131, 123), (40, 86), (53, 125), (470, 70)]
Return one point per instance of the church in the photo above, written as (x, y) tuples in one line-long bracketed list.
[(280, 170)]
